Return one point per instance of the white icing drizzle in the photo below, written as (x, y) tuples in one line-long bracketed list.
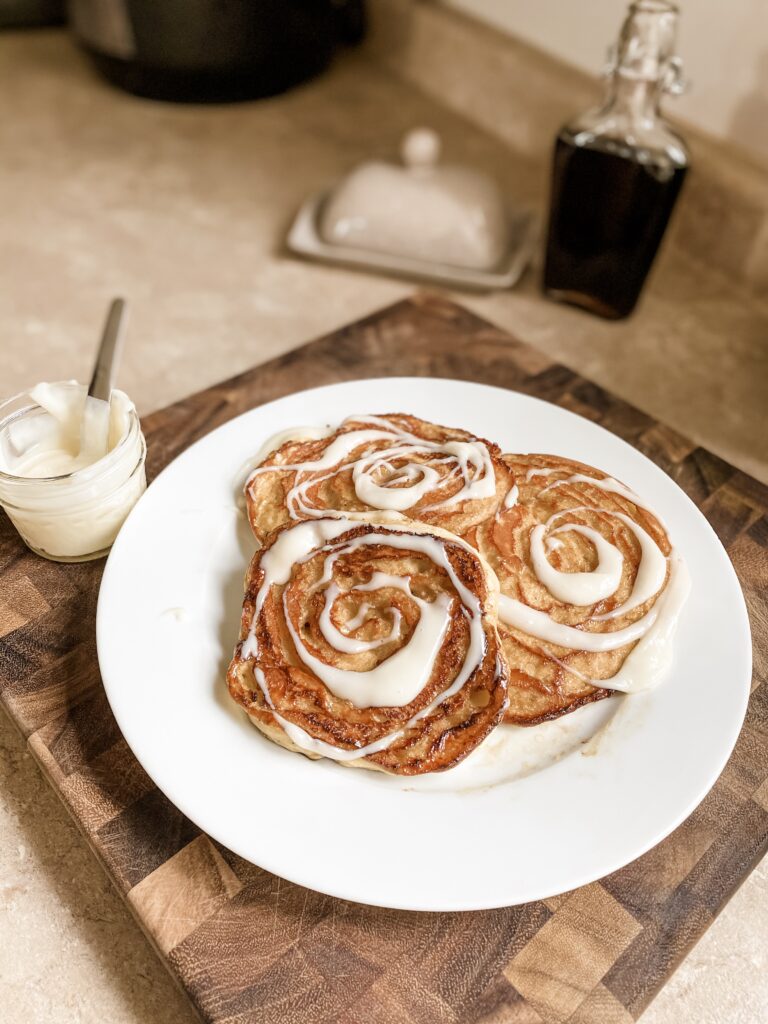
[(362, 614), (397, 680), (586, 588), (349, 645), (290, 547), (607, 483), (578, 588), (422, 478), (300, 738), (649, 579), (473, 464), (246, 471), (305, 433), (512, 495), (540, 472), (476, 468), (651, 572), (650, 660), (538, 624)]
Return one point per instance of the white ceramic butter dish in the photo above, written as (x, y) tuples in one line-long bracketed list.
[(422, 219)]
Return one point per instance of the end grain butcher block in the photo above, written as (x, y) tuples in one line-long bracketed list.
[(247, 946)]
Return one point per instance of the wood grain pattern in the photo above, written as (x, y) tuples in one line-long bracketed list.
[(594, 956)]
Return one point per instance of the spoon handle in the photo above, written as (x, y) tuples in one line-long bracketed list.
[(110, 349)]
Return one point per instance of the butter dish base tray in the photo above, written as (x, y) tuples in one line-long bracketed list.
[(304, 239)]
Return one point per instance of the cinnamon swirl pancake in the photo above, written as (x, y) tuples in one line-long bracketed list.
[(590, 587), (373, 644), (395, 463)]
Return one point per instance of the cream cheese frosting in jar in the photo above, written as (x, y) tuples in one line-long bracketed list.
[(71, 468)]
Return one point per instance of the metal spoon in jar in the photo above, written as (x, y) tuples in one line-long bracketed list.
[(94, 429)]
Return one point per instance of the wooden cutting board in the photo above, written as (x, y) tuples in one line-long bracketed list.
[(248, 946)]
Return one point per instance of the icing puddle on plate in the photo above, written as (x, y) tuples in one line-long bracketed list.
[(514, 751)]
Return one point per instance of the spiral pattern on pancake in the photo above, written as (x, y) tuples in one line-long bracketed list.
[(583, 568), (398, 464), (373, 644)]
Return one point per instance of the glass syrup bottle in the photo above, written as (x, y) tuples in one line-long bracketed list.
[(617, 173)]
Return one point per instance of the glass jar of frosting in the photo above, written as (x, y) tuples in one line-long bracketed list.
[(71, 468)]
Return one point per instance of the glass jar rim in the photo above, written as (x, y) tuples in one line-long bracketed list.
[(85, 474)]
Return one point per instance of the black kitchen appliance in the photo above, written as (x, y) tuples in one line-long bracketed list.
[(31, 13), (213, 51)]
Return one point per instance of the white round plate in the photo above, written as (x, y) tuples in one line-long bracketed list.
[(532, 813)]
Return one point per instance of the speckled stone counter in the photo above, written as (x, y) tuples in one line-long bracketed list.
[(183, 211)]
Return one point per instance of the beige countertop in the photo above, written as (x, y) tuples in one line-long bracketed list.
[(183, 211)]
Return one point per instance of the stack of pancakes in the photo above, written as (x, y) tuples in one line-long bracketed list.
[(386, 615)]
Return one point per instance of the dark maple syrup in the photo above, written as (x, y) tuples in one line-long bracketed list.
[(609, 210), (618, 170)]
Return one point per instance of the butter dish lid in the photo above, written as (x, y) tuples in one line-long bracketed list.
[(420, 209)]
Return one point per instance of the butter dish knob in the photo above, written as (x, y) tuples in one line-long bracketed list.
[(420, 149)]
